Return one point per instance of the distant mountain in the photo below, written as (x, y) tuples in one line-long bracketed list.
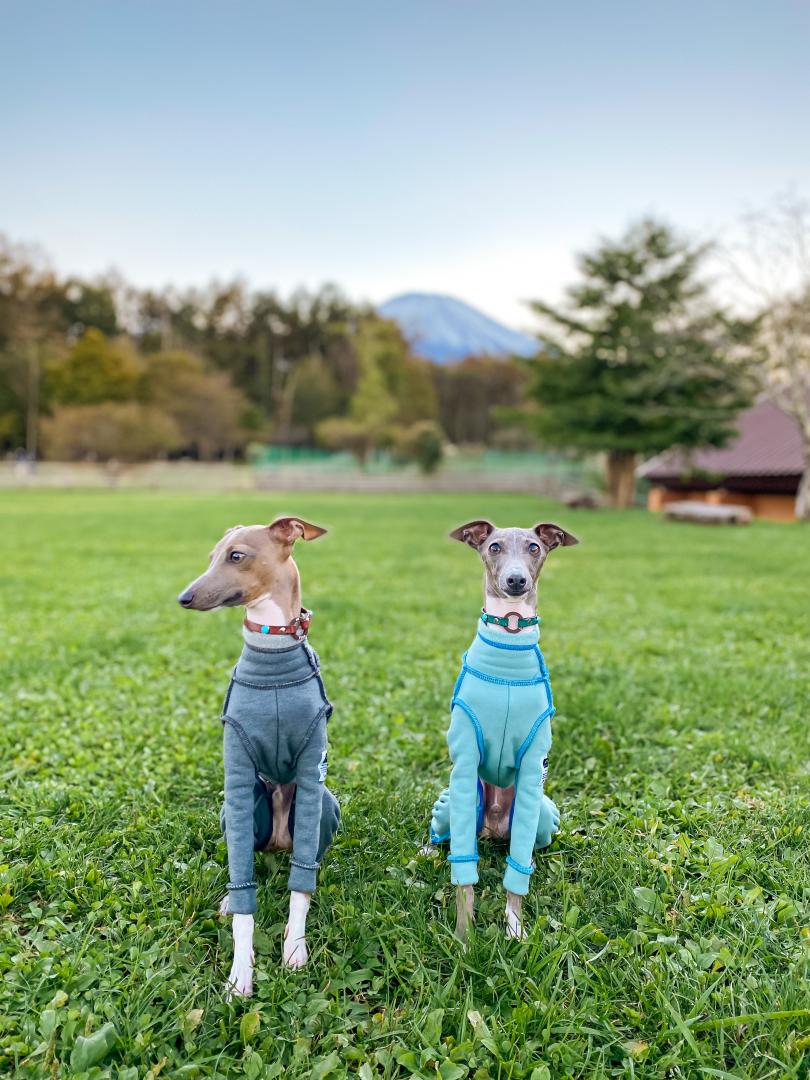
[(444, 329)]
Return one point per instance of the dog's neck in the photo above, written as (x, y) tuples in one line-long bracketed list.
[(266, 609), (502, 605), (276, 608), (281, 603)]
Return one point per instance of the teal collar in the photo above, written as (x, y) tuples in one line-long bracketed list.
[(512, 622)]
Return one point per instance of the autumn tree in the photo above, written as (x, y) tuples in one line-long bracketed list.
[(268, 346), (207, 410), (372, 407), (30, 299), (393, 395), (470, 393), (95, 369)]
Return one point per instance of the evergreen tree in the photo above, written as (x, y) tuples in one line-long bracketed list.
[(640, 359)]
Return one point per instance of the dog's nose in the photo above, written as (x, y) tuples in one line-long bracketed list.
[(516, 582), (186, 599)]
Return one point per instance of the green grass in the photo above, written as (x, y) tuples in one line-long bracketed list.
[(668, 923)]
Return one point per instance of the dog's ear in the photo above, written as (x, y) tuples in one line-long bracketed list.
[(290, 529), (473, 533), (553, 536)]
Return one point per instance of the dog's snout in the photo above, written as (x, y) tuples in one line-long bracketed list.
[(516, 582), (186, 598)]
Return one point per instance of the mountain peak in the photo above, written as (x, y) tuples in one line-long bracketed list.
[(443, 329)]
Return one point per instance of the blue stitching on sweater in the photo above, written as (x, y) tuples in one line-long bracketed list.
[(506, 682), (541, 660), (459, 681), (462, 858), (479, 734), (527, 870), (505, 644), (434, 839), (244, 885), (527, 742)]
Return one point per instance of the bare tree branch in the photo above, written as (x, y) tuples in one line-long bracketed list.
[(773, 266)]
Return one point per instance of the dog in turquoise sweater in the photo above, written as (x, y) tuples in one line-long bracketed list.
[(500, 722)]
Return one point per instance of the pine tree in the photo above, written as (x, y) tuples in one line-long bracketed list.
[(642, 359)]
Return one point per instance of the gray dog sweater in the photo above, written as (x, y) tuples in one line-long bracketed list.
[(274, 719)]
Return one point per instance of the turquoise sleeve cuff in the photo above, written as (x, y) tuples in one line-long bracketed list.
[(515, 880), (464, 872)]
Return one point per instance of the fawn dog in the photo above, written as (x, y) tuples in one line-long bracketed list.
[(500, 722), (274, 724)]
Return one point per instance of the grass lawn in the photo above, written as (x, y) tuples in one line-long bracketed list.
[(669, 922)]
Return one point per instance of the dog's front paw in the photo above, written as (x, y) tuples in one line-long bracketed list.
[(295, 953), (514, 926), (240, 980), (225, 905), (514, 917), (548, 824)]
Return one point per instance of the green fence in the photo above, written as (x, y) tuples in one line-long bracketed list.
[(560, 467)]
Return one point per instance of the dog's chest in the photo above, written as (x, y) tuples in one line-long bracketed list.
[(504, 692), (275, 701)]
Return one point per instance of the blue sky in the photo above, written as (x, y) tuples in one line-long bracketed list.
[(464, 147)]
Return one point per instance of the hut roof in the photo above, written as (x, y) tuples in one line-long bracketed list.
[(768, 443)]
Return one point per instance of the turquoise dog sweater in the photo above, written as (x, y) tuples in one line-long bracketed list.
[(500, 732)]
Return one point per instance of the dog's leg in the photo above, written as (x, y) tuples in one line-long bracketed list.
[(295, 946), (514, 916), (240, 980), (465, 904), (497, 808), (281, 838)]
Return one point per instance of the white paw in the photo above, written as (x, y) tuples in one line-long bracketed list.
[(429, 850), (225, 906), (295, 950), (240, 980), (514, 926)]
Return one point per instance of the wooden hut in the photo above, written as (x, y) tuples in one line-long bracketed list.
[(760, 468)]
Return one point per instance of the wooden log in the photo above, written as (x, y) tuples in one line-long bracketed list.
[(708, 513)]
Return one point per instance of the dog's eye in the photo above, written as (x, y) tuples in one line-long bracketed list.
[(494, 549), (534, 549), (236, 556)]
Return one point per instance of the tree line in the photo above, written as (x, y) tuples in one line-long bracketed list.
[(640, 357), (98, 369)]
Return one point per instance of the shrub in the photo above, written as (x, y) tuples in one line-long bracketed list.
[(124, 431), (340, 433), (207, 409), (423, 443)]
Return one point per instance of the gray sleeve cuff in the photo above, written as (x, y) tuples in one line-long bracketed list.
[(302, 878), (242, 901)]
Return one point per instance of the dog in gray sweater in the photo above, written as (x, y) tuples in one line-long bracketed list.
[(274, 717)]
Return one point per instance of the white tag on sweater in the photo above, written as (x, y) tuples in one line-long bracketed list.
[(323, 765)]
